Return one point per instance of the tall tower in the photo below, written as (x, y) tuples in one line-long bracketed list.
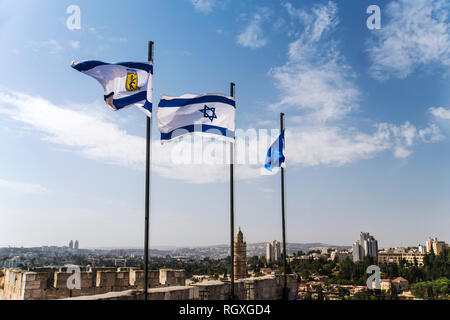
[(273, 252), (365, 246), (71, 244), (77, 245), (269, 252), (240, 256)]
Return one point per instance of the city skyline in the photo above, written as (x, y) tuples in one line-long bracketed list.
[(168, 247), (367, 123)]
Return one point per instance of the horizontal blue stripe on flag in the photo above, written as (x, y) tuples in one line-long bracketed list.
[(188, 101), (195, 128), (123, 102), (87, 65)]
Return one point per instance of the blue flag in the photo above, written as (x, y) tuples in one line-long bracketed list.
[(275, 155)]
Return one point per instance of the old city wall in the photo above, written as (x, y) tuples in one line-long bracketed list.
[(262, 288), (51, 283), (259, 288), (125, 284)]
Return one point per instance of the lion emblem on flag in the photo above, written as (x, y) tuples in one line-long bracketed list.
[(132, 80)]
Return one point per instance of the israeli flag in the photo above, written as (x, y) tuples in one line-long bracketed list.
[(125, 84), (211, 115), (275, 155)]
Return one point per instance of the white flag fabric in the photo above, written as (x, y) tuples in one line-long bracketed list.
[(125, 84), (211, 114)]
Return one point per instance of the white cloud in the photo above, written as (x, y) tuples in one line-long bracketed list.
[(74, 44), (431, 133), (335, 146), (322, 18), (50, 46), (417, 33), (21, 187), (253, 35), (92, 134), (324, 90), (205, 6), (87, 133), (119, 39), (316, 81), (440, 113)]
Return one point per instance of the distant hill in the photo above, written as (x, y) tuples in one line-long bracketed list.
[(222, 250)]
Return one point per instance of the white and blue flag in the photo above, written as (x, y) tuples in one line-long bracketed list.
[(125, 84), (212, 115), (275, 155)]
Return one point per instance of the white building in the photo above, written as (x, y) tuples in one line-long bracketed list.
[(365, 246), (421, 249), (273, 251), (435, 246)]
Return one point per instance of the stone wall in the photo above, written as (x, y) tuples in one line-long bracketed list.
[(213, 290), (267, 288), (171, 277), (49, 283), (137, 278), (261, 288), (165, 293), (165, 284), (13, 283)]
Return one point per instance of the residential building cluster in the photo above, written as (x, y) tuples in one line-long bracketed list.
[(317, 287)]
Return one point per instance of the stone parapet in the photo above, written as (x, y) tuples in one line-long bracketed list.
[(51, 283), (164, 284), (172, 277), (137, 279)]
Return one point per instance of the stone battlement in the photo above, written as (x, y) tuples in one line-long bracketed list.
[(260, 288), (51, 283)]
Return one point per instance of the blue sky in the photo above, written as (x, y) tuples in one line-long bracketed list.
[(367, 117)]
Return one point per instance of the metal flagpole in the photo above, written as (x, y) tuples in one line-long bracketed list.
[(285, 288), (147, 187), (232, 207)]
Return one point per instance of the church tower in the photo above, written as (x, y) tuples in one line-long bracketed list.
[(240, 256)]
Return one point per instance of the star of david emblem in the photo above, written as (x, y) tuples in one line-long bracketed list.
[(209, 113)]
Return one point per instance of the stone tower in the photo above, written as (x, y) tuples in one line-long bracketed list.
[(240, 256)]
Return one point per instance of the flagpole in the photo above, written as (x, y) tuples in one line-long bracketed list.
[(232, 207), (285, 289), (147, 188)]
